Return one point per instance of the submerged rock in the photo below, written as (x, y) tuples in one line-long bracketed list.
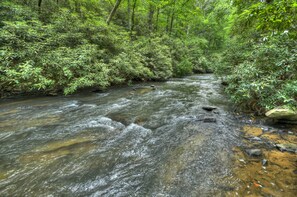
[(48, 153), (143, 89), (32, 122), (120, 117), (210, 119), (287, 147), (252, 131), (254, 152)]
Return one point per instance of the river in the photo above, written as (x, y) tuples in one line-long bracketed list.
[(149, 139)]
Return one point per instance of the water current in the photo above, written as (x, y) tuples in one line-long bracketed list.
[(149, 139)]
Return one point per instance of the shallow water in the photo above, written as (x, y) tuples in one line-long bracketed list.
[(128, 141)]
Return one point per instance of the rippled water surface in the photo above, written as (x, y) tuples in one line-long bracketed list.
[(130, 141)]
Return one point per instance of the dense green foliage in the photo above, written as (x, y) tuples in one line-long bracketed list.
[(65, 45), (264, 75), (261, 57)]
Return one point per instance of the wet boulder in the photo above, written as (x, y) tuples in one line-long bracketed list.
[(283, 114), (123, 118)]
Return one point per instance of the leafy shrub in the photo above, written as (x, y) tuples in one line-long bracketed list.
[(25, 77), (63, 46), (185, 67), (196, 52), (156, 57), (237, 51), (128, 66), (71, 69), (20, 36), (48, 57), (179, 56), (267, 78)]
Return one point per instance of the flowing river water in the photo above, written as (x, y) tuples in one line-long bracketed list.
[(129, 141)]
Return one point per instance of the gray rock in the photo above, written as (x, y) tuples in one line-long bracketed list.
[(265, 129), (287, 147), (256, 139), (282, 113), (209, 108), (264, 162), (254, 152)]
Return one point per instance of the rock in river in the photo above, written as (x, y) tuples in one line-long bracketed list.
[(264, 162), (283, 114), (287, 147), (254, 152), (209, 108)]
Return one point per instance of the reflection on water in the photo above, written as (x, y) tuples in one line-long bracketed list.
[(129, 141)]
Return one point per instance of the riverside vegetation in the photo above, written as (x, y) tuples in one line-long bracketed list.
[(65, 45)]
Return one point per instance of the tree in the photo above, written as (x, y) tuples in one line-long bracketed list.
[(113, 11), (39, 3)]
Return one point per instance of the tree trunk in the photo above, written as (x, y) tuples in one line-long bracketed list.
[(150, 18), (113, 11), (157, 19), (172, 18), (133, 18), (171, 23), (167, 23), (39, 3), (129, 14), (188, 29)]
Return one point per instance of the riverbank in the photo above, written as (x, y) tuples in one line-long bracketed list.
[(265, 165)]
